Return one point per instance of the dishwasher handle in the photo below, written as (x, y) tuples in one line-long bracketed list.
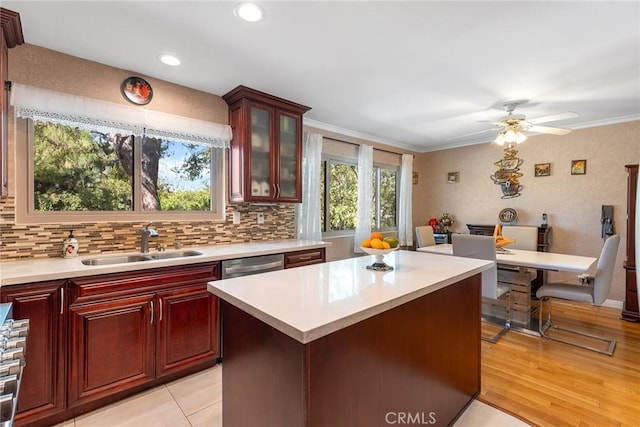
[(253, 268)]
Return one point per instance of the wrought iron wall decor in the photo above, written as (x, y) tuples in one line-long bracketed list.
[(508, 174)]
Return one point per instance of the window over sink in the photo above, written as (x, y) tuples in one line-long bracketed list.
[(78, 170), (80, 159), (81, 170)]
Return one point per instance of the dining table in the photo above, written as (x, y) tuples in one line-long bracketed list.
[(517, 268)]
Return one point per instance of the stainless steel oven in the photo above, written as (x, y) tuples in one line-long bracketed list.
[(13, 344)]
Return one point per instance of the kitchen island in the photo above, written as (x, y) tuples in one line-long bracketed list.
[(337, 344)]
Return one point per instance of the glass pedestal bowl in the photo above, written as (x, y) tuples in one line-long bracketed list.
[(379, 264)]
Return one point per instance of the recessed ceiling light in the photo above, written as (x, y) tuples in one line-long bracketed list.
[(250, 12), (169, 59)]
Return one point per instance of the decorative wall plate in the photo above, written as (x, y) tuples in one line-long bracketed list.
[(136, 90), (508, 215)]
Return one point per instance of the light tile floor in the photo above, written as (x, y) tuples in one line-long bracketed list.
[(196, 401)]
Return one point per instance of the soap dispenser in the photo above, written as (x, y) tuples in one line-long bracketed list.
[(70, 247)]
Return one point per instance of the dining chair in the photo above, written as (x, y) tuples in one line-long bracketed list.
[(525, 236), (595, 294), (483, 247), (424, 236)]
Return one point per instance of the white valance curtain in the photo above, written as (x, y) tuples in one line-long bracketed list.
[(365, 196), (92, 114), (309, 227), (405, 222)]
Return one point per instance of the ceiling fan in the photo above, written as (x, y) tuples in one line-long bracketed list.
[(512, 127)]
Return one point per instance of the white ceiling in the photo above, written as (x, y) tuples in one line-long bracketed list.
[(414, 74)]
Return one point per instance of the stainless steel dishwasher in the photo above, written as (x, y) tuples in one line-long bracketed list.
[(253, 265)]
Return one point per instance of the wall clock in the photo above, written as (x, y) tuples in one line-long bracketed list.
[(136, 90)]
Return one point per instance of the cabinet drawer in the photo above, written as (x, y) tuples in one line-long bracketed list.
[(300, 258), (116, 285)]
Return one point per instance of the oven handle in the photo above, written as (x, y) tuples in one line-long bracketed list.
[(253, 268)]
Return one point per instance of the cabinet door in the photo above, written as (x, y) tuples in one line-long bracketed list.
[(188, 329), (260, 162), (42, 390), (289, 158), (111, 347)]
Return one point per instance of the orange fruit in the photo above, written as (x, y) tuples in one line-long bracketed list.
[(386, 245), (376, 235), (366, 243), (376, 243)]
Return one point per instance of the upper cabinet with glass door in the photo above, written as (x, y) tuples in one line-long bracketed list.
[(265, 157)]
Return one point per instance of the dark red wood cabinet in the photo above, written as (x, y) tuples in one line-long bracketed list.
[(630, 309), (94, 340), (43, 387), (111, 347), (306, 257), (188, 331), (130, 329), (265, 156)]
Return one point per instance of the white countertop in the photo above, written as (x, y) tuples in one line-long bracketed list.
[(28, 271), (310, 302), (530, 259)]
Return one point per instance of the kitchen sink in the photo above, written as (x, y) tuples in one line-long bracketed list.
[(169, 255), (123, 259), (115, 260)]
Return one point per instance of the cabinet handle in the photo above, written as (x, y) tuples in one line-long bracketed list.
[(151, 302), (61, 300), (160, 307), (274, 192)]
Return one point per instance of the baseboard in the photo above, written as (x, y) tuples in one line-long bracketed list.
[(613, 303)]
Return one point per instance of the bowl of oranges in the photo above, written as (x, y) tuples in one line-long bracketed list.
[(379, 246)]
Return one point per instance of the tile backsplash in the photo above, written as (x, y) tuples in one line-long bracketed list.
[(20, 242)]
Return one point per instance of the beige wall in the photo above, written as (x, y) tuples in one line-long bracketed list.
[(573, 202)]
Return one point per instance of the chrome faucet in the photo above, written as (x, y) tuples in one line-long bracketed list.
[(145, 234)]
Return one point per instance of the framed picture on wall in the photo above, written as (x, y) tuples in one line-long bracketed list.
[(542, 169), (578, 167), (453, 177)]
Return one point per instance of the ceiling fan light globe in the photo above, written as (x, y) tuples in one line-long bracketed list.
[(500, 139), (510, 136), (520, 137)]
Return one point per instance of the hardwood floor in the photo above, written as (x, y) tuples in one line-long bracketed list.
[(549, 383)]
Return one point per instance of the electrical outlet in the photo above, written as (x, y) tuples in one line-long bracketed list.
[(236, 217), (260, 218)]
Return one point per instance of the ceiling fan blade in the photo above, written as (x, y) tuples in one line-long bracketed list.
[(554, 117), (549, 130), (471, 134)]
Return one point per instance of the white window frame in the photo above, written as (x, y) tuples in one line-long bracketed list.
[(26, 214), (353, 162), (380, 167)]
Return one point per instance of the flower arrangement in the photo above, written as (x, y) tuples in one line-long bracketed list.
[(445, 222)]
